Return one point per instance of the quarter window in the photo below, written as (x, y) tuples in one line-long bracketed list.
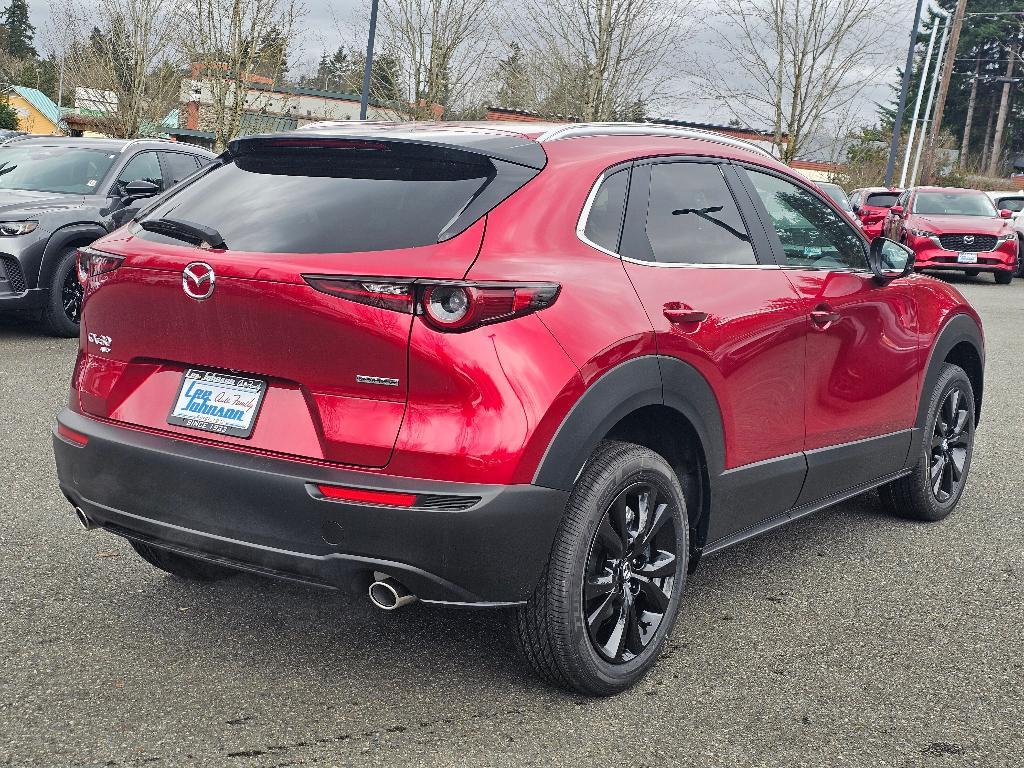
[(177, 165), (143, 167), (604, 220), (692, 217), (813, 235)]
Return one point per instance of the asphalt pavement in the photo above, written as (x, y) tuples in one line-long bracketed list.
[(845, 639)]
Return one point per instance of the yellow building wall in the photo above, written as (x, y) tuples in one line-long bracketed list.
[(31, 119)]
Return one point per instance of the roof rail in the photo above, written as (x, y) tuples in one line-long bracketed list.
[(574, 130)]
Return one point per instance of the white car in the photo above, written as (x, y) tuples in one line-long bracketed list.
[(1013, 202)]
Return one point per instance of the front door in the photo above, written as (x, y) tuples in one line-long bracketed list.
[(862, 341), (694, 256)]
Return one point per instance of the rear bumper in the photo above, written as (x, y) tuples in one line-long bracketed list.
[(262, 514)]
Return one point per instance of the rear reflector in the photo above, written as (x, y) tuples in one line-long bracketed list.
[(76, 438), (364, 496)]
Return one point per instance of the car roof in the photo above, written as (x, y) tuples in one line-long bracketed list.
[(947, 189), (873, 190), (109, 145)]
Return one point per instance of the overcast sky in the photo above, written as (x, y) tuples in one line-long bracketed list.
[(333, 22)]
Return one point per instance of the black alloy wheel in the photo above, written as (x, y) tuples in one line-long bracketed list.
[(71, 297), (950, 446), (630, 573)]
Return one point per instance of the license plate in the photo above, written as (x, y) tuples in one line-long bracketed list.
[(217, 402), (967, 258)]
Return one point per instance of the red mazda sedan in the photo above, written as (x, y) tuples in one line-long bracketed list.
[(871, 205), (955, 229), (543, 368)]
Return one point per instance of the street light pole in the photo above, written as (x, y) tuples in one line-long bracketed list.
[(917, 104), (931, 95), (897, 128), (365, 98)]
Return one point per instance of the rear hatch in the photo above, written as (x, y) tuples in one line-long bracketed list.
[(265, 361)]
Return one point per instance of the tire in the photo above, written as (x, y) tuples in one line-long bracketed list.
[(972, 272), (947, 444), (183, 567), (1003, 278), (64, 305), (553, 631)]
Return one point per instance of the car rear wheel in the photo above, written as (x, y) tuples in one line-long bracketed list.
[(934, 487), (180, 566), (609, 596), (64, 305), (1003, 278)]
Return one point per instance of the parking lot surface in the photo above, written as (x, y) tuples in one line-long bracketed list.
[(846, 639)]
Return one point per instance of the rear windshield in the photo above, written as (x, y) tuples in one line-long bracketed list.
[(330, 200), (1015, 204), (953, 204), (882, 199)]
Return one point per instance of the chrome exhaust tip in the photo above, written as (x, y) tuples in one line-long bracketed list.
[(84, 520), (389, 594)]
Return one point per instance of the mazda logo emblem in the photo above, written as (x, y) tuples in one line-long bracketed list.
[(968, 239), (197, 279)]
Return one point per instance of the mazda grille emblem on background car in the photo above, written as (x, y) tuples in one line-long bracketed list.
[(198, 280), (968, 239)]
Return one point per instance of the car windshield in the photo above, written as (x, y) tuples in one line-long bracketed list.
[(953, 204), (72, 170), (838, 194), (1015, 204), (882, 199)]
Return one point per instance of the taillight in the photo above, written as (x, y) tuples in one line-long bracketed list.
[(92, 263), (71, 436), (451, 306)]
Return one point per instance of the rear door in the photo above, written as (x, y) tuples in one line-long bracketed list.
[(862, 340), (333, 360), (694, 256)]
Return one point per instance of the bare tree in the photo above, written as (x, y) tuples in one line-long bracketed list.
[(230, 45), (789, 64), (602, 59), (440, 47), (125, 52)]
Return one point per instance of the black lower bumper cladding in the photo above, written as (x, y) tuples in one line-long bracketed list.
[(258, 513)]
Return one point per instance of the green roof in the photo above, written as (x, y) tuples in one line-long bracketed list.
[(42, 102)]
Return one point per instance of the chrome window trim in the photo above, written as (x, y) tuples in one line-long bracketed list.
[(581, 223)]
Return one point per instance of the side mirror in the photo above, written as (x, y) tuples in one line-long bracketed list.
[(139, 189), (1005, 214), (897, 210), (856, 209), (889, 260)]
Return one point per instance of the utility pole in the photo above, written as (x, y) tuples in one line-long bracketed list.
[(971, 102), (940, 100), (897, 126), (364, 99), (926, 137), (917, 103), (1004, 107)]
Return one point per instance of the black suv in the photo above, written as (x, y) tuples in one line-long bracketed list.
[(57, 194)]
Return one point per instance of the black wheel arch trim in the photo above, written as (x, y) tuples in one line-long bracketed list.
[(631, 385), (959, 328), (60, 240)]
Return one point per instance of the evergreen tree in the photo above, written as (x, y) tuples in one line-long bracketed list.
[(19, 30), (514, 91), (8, 116)]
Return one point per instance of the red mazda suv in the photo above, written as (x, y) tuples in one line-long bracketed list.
[(871, 205), (958, 229), (546, 368)]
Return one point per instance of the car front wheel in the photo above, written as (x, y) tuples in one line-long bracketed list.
[(64, 305), (609, 596), (1004, 278)]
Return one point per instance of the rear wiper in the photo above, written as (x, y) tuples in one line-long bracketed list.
[(187, 231)]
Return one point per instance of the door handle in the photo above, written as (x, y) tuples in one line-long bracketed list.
[(824, 315), (678, 313)]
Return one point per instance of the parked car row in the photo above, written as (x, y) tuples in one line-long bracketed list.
[(59, 194), (948, 228)]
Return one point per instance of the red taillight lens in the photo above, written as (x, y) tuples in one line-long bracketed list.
[(396, 295), (447, 306), (77, 438), (92, 263), (365, 496)]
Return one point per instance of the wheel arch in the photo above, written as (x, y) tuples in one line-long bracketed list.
[(70, 236), (959, 342), (661, 403)]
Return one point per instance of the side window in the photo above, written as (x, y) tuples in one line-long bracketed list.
[(692, 217), (604, 221), (143, 167), (812, 234), (176, 166), (855, 199)]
